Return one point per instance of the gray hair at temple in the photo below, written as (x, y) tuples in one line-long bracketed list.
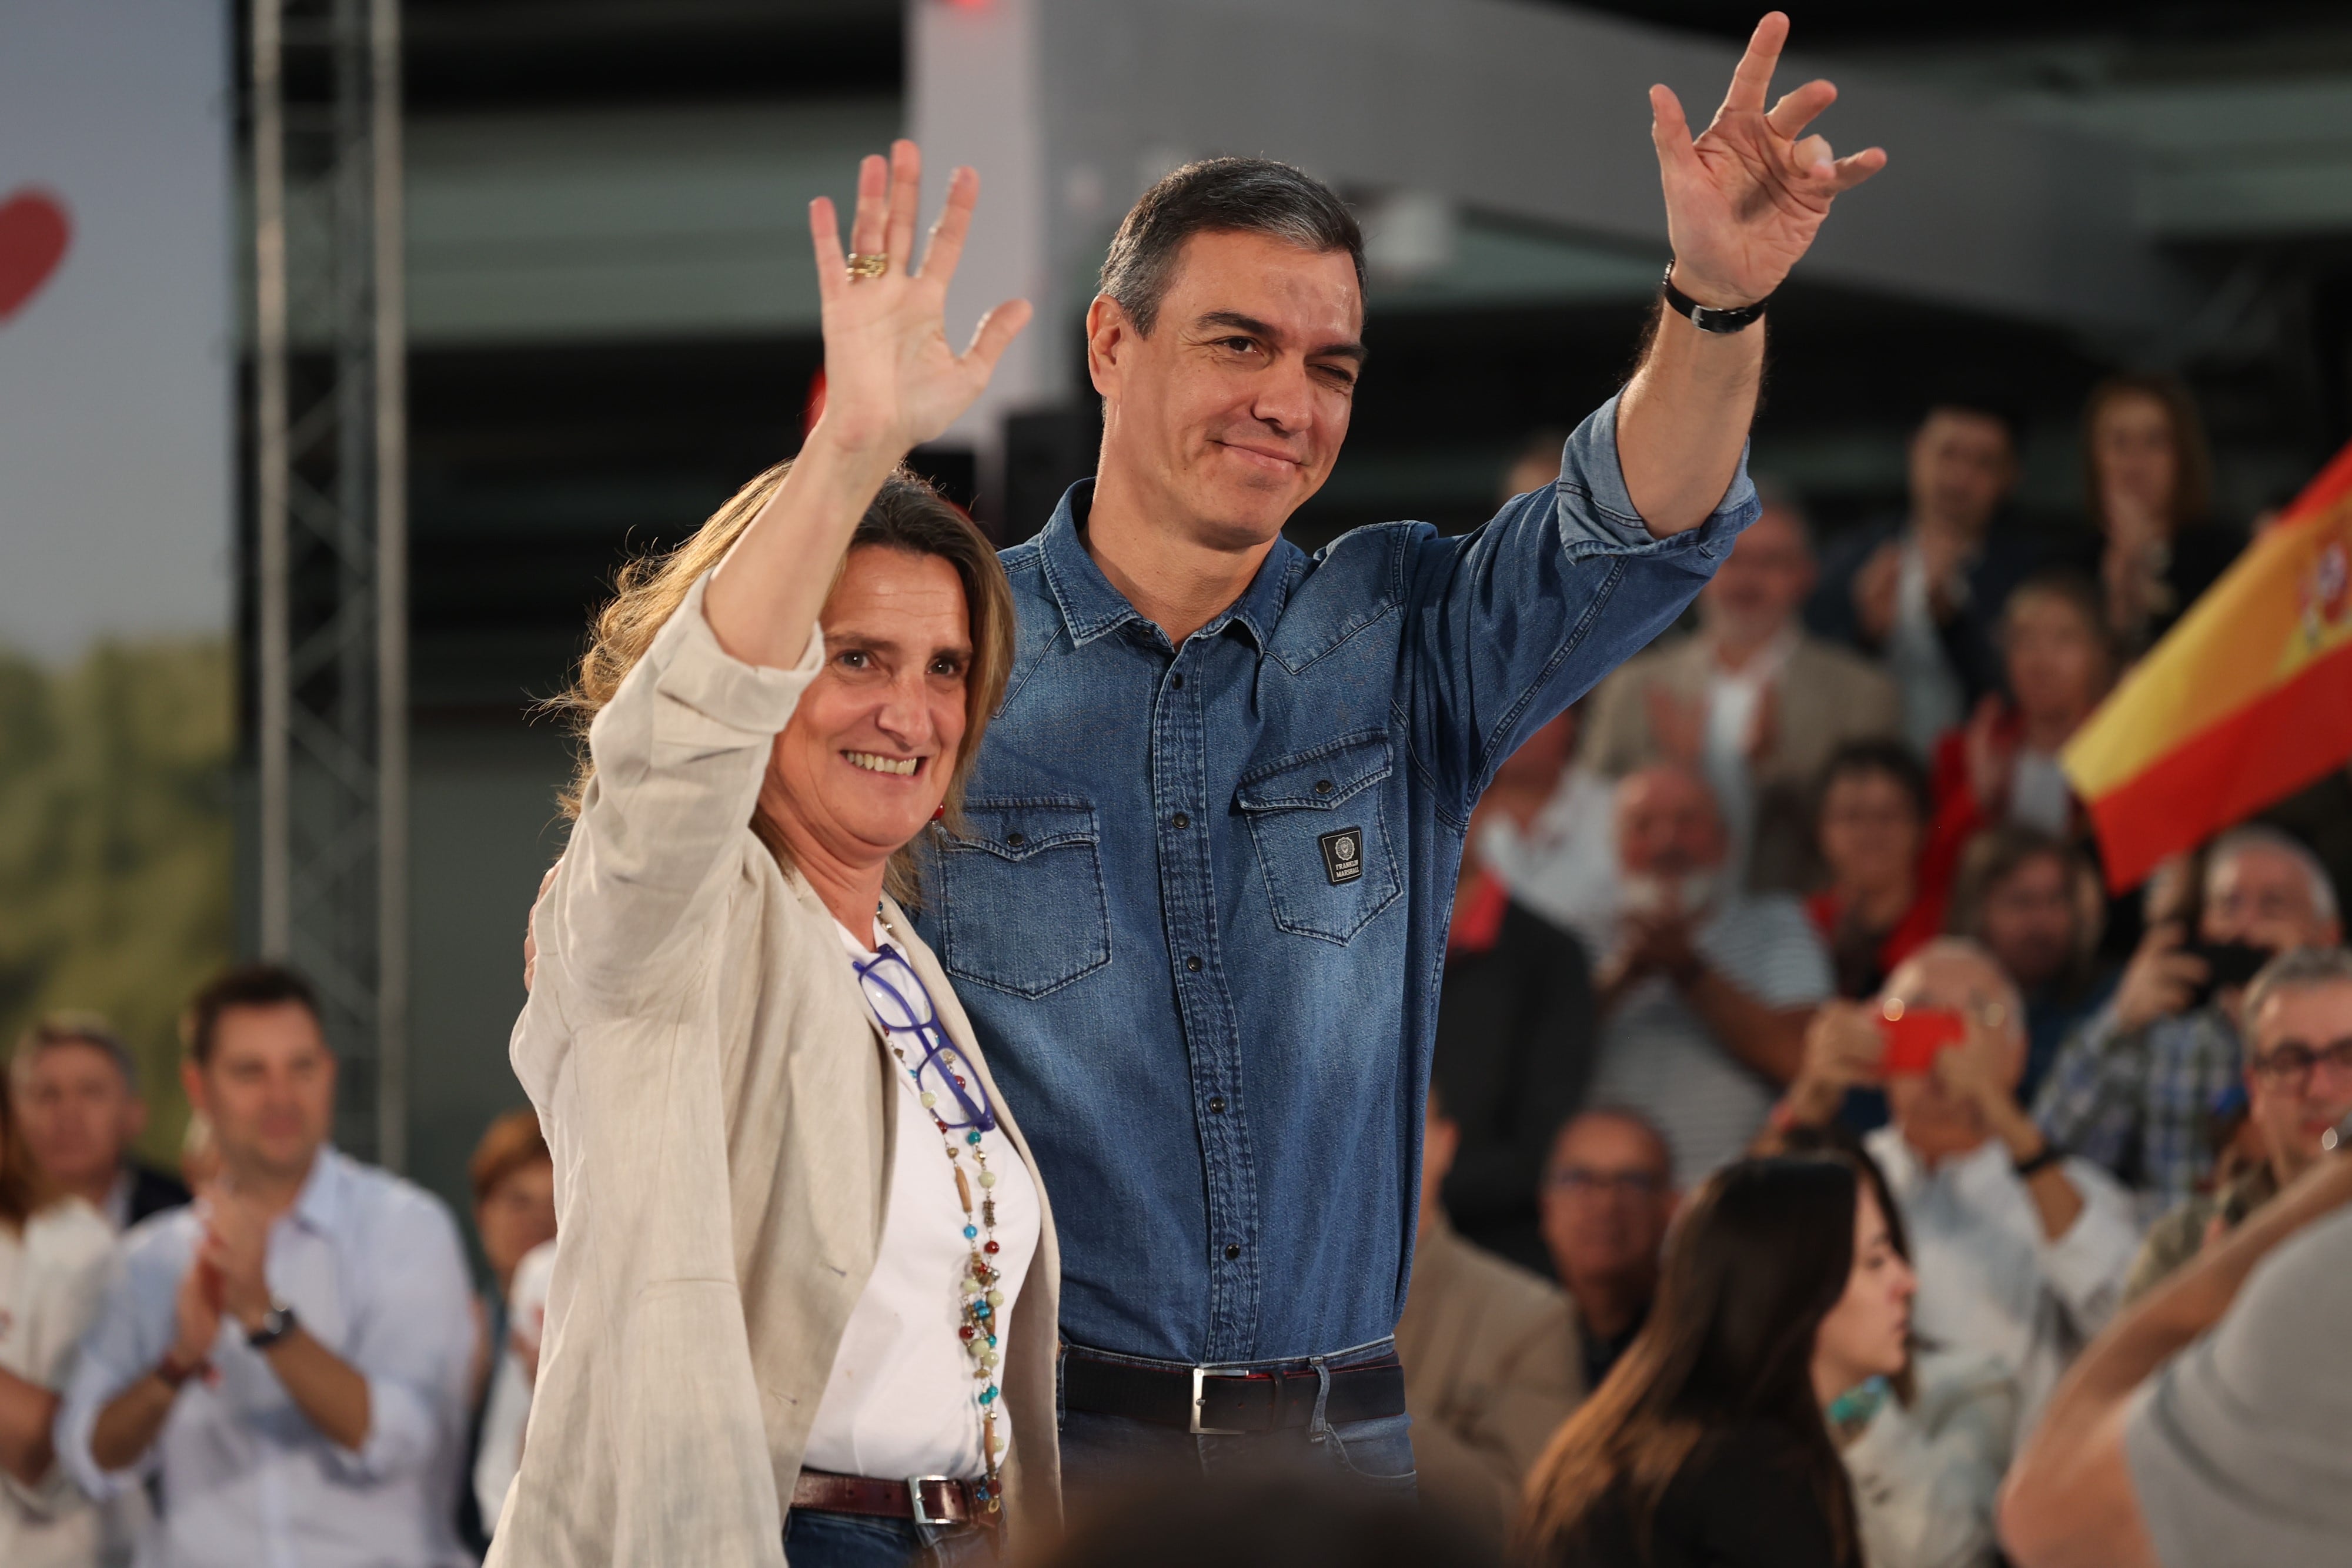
[(2257, 836), (2298, 969), (1230, 195)]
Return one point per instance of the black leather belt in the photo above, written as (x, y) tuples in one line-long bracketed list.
[(1217, 1400)]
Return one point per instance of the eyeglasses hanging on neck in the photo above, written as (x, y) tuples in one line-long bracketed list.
[(903, 1006)]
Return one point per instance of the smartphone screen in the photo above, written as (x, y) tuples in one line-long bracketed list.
[(1914, 1036)]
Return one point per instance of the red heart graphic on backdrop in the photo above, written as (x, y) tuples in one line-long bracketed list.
[(34, 233)]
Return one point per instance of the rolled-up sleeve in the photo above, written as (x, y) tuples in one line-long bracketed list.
[(1518, 618), (679, 753), (124, 1341), (2087, 1266), (414, 1342)]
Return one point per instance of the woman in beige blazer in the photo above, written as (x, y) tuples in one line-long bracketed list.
[(804, 1292)]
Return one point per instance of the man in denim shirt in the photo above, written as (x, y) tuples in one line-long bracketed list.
[(1198, 906)]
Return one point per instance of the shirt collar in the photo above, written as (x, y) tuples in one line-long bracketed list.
[(321, 1205), (1091, 607)]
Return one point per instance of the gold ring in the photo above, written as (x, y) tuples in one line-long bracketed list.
[(872, 265)]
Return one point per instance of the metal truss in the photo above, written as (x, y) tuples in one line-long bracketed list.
[(330, 589)]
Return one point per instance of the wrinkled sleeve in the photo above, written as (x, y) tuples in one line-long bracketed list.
[(414, 1342), (2087, 1266), (679, 753), (66, 1292), (1511, 623), (130, 1336)]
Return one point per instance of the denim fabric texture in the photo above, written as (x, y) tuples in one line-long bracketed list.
[(815, 1540), (1198, 909)]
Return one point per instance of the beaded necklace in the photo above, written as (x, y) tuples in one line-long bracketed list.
[(978, 1287)]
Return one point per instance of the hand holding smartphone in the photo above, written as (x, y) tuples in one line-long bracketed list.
[(1915, 1036)]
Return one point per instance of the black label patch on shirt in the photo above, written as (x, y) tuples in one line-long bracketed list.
[(1343, 855)]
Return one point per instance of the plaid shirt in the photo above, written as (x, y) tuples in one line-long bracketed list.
[(2137, 1101)]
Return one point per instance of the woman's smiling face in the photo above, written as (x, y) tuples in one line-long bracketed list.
[(867, 758)]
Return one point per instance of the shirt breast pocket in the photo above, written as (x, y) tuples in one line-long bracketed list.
[(1322, 838), (1021, 903)]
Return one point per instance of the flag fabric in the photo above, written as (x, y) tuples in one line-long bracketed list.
[(2247, 700)]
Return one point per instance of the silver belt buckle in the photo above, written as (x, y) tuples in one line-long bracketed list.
[(914, 1485), (1199, 1375)]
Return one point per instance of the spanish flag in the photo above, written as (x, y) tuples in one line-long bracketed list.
[(2246, 700)]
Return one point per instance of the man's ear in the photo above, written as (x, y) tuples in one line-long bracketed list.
[(192, 1083), (1109, 330)]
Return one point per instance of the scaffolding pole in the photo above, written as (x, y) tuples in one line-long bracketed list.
[(330, 537)]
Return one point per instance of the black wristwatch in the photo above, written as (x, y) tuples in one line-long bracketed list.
[(2040, 1160), (1709, 318), (275, 1324)]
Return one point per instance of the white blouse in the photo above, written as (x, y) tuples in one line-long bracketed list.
[(902, 1399), (51, 1278)]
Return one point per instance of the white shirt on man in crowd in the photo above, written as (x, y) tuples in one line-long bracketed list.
[(372, 1269), (51, 1278)]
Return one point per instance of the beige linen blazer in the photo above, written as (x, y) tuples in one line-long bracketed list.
[(715, 1098)]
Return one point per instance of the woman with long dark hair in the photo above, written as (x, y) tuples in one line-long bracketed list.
[(1708, 1444)]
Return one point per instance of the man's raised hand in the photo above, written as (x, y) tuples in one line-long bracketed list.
[(891, 381), (1745, 200)]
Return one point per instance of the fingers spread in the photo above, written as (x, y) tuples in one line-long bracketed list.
[(824, 238), (1851, 170), (906, 201), (1754, 73), (1797, 110), (946, 246), (869, 230), (995, 334)]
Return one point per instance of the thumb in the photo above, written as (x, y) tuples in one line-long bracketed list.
[(1670, 131), (995, 334)]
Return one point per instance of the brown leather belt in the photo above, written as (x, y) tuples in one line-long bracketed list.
[(926, 1499)]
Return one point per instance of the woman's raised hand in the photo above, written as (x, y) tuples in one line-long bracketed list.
[(891, 380)]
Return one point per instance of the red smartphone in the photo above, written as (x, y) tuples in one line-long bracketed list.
[(1914, 1036)]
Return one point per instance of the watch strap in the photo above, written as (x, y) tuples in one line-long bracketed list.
[(1710, 317), (2040, 1160), (275, 1324), (173, 1374)]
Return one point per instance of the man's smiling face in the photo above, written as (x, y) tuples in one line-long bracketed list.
[(1229, 414)]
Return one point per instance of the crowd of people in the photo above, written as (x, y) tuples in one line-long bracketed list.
[(989, 1014), (1696, 908)]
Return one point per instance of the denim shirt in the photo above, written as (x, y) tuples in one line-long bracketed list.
[(1197, 907)]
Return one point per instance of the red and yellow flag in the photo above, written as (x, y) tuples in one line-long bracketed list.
[(2245, 702)]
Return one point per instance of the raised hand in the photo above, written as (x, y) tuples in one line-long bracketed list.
[(1745, 200), (891, 380)]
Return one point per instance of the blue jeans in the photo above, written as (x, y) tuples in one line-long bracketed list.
[(815, 1539), (1105, 1453)]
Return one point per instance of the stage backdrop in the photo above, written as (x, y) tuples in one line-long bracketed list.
[(116, 313)]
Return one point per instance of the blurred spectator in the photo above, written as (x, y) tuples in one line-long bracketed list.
[(54, 1251), (1925, 1447), (2021, 1252), (496, 1456), (1923, 592), (2149, 480), (290, 1364), (2206, 1428), (2298, 1019), (2058, 663), (1513, 1021), (1878, 907), (1704, 992), (2132, 1091), (2033, 901), (77, 1100), (1490, 1362), (1751, 703), (1608, 1196), (513, 1179), (1707, 1444)]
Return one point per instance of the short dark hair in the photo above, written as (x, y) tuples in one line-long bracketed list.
[(244, 986), (1246, 196), (52, 1030), (1977, 402), (1891, 757)]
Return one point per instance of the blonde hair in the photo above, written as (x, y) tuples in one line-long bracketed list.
[(908, 516)]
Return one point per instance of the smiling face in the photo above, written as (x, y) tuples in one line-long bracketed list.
[(268, 1089), (1870, 832), (1229, 414), (2295, 1089), (1868, 1333), (1756, 590), (872, 743)]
